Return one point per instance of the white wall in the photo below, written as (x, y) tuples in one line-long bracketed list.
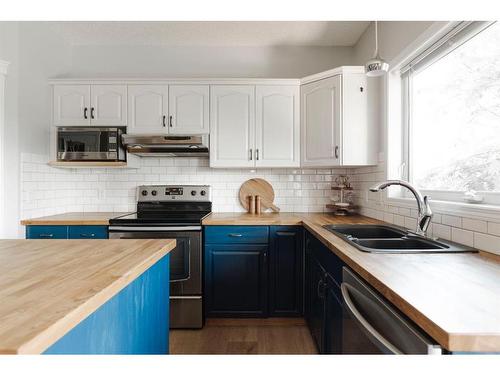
[(9, 51), (162, 61)]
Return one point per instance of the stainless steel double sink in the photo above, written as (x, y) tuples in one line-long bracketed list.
[(392, 240)]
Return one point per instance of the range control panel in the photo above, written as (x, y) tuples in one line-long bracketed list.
[(181, 193)]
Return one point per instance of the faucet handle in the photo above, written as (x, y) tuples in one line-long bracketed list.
[(427, 206)]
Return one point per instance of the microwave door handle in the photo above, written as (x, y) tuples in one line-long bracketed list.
[(367, 327)]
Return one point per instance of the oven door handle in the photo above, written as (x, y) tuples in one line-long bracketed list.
[(154, 229), (365, 325)]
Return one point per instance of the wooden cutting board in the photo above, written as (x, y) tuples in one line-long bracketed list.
[(258, 186)]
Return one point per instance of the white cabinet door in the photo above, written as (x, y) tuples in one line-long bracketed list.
[(232, 126), (147, 109), (277, 129), (188, 108), (108, 105), (321, 120), (71, 105)]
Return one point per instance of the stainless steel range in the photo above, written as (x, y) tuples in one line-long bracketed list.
[(173, 211)]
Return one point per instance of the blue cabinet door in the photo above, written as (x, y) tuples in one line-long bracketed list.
[(87, 232), (286, 277), (236, 280), (48, 232)]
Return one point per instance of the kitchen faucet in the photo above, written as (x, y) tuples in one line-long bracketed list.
[(424, 210)]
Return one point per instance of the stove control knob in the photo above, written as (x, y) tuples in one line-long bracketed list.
[(193, 192), (203, 193), (144, 193), (154, 193)]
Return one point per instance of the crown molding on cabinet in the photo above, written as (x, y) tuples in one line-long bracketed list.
[(177, 81), (331, 73)]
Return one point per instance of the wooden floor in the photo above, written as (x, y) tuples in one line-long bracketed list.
[(245, 336)]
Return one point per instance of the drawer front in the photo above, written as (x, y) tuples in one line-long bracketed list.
[(88, 232), (48, 232), (236, 234)]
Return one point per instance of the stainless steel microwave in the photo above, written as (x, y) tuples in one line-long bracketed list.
[(90, 143)]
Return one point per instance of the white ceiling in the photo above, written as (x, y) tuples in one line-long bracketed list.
[(213, 33)]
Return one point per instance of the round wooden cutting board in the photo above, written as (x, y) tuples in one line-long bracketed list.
[(258, 186)]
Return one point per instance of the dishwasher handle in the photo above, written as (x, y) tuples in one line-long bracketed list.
[(367, 327)]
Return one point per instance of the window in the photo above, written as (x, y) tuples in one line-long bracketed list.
[(451, 96)]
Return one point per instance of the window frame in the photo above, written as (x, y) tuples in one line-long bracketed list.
[(455, 37)]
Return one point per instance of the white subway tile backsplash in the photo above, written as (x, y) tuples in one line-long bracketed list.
[(47, 190), (453, 221), (464, 237), (487, 242), (475, 225)]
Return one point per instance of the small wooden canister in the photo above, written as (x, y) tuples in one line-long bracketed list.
[(251, 204), (258, 207)]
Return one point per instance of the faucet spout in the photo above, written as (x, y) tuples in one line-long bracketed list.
[(424, 210)]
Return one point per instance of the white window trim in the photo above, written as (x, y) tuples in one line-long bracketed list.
[(3, 73), (395, 125)]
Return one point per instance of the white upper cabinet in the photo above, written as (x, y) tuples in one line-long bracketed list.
[(71, 105), (321, 103), (108, 105), (232, 126), (102, 105), (334, 125), (147, 109), (188, 109), (277, 126)]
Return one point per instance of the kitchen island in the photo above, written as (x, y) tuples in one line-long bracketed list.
[(84, 296)]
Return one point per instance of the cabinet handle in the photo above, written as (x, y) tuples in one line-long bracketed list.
[(320, 285), (85, 113), (257, 154), (251, 154), (336, 152), (46, 235), (170, 121), (87, 235), (164, 121), (281, 233), (235, 235), (92, 112)]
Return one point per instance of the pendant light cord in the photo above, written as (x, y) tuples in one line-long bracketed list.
[(376, 40)]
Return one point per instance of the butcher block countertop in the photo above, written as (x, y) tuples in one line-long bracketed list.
[(47, 287), (455, 298), (74, 218)]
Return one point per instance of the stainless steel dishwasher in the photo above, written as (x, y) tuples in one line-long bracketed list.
[(370, 325)]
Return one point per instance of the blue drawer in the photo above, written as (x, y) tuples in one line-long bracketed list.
[(236, 234), (46, 232), (87, 232)]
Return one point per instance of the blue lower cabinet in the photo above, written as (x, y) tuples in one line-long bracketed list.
[(87, 232), (323, 300), (286, 276), (236, 280), (64, 232), (48, 232), (134, 321)]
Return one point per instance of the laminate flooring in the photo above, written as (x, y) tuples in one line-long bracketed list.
[(245, 336)]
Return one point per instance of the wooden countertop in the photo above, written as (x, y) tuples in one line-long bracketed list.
[(455, 298), (47, 287), (74, 218)]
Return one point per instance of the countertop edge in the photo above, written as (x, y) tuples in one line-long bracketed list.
[(45, 339)]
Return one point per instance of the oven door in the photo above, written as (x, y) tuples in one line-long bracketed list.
[(185, 259)]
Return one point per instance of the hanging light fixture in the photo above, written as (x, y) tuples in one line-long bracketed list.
[(376, 67)]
